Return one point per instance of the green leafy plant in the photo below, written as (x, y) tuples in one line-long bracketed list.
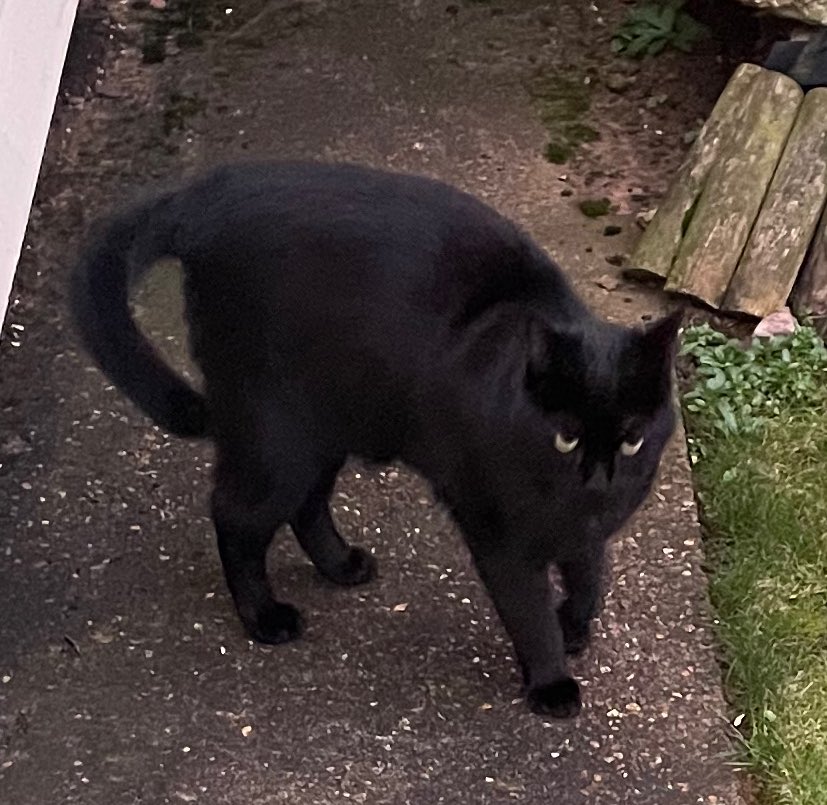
[(648, 29), (738, 389)]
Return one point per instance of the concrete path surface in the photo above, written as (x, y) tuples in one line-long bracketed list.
[(124, 675)]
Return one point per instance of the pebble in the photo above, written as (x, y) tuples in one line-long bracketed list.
[(619, 83)]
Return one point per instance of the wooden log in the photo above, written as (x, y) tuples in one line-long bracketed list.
[(655, 251), (788, 218), (809, 296), (735, 187)]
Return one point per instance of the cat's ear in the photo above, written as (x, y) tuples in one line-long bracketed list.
[(538, 350), (660, 338), (547, 350)]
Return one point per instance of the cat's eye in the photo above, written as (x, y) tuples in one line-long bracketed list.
[(631, 448), (565, 444)]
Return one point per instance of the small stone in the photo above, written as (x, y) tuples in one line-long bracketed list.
[(644, 217), (15, 446), (617, 82), (781, 322), (608, 283), (612, 229), (656, 100), (616, 259), (102, 636), (108, 91)]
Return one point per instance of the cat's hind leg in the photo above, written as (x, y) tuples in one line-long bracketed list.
[(317, 534), (264, 473)]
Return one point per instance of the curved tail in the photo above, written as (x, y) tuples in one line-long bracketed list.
[(100, 288)]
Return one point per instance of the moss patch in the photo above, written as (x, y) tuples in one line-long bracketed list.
[(185, 19), (179, 108), (595, 207), (562, 103)]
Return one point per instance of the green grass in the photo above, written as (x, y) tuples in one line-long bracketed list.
[(757, 419)]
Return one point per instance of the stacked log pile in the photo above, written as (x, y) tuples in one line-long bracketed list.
[(742, 226)]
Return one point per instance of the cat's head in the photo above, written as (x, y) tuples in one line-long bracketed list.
[(605, 396)]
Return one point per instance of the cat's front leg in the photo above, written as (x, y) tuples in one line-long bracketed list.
[(582, 577), (522, 596)]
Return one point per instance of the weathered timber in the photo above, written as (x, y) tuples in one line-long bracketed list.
[(734, 190), (788, 218), (655, 251), (810, 11), (809, 296)]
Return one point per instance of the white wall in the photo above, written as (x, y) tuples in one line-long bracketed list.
[(34, 35)]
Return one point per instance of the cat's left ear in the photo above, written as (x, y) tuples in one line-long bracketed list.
[(661, 337)]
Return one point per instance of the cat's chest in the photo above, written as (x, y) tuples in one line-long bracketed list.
[(581, 518)]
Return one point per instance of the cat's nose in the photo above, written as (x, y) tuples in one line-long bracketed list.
[(597, 479)]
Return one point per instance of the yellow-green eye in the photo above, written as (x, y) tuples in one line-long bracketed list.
[(631, 448), (564, 444)]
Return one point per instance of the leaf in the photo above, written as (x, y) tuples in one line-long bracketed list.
[(668, 19), (639, 46), (688, 25), (717, 381), (728, 416), (688, 32), (657, 46), (651, 14)]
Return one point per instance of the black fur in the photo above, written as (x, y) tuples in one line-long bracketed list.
[(337, 311)]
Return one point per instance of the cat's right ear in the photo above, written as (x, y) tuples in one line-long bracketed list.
[(538, 351), (660, 338), (547, 350), (537, 361)]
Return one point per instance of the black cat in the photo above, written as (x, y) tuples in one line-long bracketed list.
[(336, 311)]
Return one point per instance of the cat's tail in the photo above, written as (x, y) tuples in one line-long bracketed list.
[(127, 244)]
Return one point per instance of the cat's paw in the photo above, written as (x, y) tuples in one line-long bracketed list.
[(560, 699), (358, 568), (275, 623), (576, 633)]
